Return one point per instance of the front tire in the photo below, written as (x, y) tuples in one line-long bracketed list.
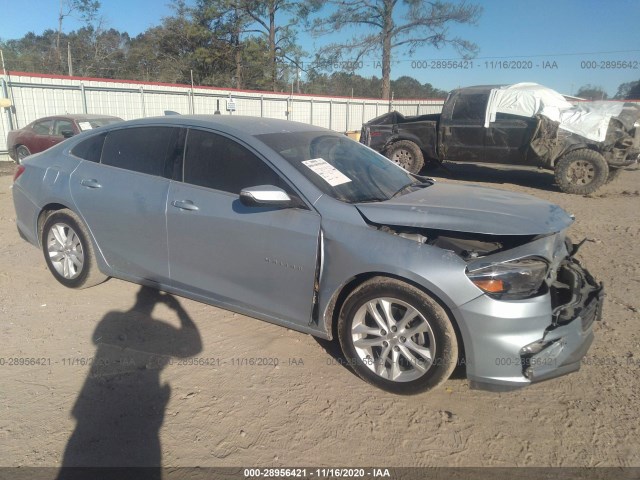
[(406, 154), (397, 337), (69, 252), (581, 172), (22, 152)]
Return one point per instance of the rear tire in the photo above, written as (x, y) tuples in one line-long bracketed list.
[(397, 337), (69, 252), (581, 172), (406, 154)]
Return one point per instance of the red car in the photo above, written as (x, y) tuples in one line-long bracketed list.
[(49, 131)]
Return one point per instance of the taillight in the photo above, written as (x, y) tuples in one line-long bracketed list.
[(19, 171)]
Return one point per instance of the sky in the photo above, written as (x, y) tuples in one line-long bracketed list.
[(562, 44)]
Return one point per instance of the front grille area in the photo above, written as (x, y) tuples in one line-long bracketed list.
[(575, 293)]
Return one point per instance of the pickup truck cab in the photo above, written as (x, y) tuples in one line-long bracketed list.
[(586, 144)]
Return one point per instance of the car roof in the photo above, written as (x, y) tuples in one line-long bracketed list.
[(232, 124)]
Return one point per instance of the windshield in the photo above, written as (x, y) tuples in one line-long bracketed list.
[(340, 167)]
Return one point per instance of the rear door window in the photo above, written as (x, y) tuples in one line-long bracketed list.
[(140, 149), (43, 128)]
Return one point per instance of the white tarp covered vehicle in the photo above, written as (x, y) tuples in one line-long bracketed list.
[(585, 143)]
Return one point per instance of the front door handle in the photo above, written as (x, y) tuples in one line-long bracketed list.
[(184, 205), (90, 183)]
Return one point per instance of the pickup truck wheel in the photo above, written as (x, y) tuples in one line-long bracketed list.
[(397, 337), (406, 154), (581, 172)]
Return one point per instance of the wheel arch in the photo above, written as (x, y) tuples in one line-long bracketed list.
[(334, 306), (574, 147), (53, 207), (45, 212), (402, 138)]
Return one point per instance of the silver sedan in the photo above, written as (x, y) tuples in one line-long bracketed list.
[(305, 228)]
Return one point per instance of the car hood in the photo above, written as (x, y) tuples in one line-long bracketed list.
[(471, 209)]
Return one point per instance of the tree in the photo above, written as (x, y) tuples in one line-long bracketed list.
[(391, 26), (592, 92), (87, 9), (628, 91)]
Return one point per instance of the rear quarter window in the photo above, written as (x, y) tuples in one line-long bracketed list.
[(90, 148)]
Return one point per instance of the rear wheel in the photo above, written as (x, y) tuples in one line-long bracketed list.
[(581, 172), (69, 252), (396, 337), (406, 154), (22, 152)]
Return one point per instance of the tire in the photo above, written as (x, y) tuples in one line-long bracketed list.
[(613, 174), (406, 154), (581, 172), (397, 360), (22, 152), (69, 252)]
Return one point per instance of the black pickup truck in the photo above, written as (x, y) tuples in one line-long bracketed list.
[(586, 144)]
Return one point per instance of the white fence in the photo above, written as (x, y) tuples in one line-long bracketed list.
[(34, 96)]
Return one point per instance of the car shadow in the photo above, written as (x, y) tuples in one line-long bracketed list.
[(332, 348), (497, 174), (121, 406)]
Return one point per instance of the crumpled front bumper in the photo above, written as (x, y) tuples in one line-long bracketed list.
[(516, 343)]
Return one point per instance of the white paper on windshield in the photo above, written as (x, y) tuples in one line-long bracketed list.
[(84, 126), (328, 172)]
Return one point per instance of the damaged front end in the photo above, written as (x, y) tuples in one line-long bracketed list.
[(534, 320), (617, 138)]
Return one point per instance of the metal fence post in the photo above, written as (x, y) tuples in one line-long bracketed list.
[(5, 94), (330, 113), (262, 105), (311, 112), (83, 94), (346, 127), (144, 108)]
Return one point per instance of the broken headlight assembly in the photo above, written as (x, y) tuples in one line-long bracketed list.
[(515, 279)]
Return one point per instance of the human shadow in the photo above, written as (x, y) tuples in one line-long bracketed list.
[(497, 174), (121, 406)]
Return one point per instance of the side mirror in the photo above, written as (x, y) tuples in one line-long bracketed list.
[(67, 133), (267, 196)]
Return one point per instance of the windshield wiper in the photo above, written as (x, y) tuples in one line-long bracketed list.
[(409, 185)]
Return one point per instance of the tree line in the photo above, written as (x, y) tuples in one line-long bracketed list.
[(251, 44)]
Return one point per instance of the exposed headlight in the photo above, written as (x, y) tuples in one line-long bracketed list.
[(513, 279)]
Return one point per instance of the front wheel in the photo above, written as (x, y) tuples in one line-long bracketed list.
[(397, 337), (69, 252), (22, 152), (406, 154), (581, 172)]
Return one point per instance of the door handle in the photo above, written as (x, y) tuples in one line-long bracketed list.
[(91, 183), (184, 205)]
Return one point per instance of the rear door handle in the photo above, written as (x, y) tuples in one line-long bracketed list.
[(184, 205), (90, 182)]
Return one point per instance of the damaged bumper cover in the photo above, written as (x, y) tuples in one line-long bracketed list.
[(528, 341)]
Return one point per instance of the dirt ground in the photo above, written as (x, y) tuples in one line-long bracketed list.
[(192, 363)]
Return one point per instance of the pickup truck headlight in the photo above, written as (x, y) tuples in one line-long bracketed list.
[(514, 279)]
